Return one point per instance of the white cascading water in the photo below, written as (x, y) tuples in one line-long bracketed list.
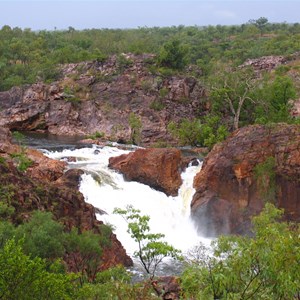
[(106, 190)]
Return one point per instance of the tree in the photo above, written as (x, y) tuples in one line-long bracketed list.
[(84, 252), (172, 55), (151, 249), (260, 23), (229, 90), (43, 237), (263, 267), (25, 278), (206, 132), (275, 100), (135, 124)]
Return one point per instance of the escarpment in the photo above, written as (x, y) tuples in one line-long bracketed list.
[(254, 165)]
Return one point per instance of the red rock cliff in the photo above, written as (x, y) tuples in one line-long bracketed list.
[(254, 165)]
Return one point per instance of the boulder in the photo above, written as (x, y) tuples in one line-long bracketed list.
[(159, 168), (43, 167), (254, 165)]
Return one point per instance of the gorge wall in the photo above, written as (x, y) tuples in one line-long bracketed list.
[(100, 96), (255, 164)]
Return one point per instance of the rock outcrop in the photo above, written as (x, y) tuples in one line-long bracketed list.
[(99, 96), (254, 165), (44, 186), (158, 168), (265, 63)]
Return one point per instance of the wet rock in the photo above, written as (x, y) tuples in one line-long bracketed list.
[(45, 186), (158, 168), (44, 168), (229, 191), (71, 179)]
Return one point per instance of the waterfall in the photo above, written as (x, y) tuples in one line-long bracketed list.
[(106, 189)]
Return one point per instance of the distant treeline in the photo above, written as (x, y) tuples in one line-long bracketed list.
[(28, 56)]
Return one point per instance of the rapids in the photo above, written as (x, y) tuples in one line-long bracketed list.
[(106, 190)]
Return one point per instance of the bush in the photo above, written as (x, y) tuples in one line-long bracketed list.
[(263, 267), (195, 133)]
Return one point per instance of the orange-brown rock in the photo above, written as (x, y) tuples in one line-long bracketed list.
[(45, 186), (229, 189), (99, 96), (167, 287), (43, 167), (159, 168)]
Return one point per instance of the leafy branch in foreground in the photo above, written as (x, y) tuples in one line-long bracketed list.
[(151, 249), (266, 266)]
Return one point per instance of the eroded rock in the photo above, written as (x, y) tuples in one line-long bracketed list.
[(99, 96), (229, 188), (44, 186), (158, 168)]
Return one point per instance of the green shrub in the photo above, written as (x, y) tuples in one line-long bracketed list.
[(22, 161), (157, 105), (265, 177), (264, 266)]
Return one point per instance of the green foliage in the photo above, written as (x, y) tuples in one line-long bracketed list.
[(123, 62), (265, 177), (43, 237), (7, 193), (151, 249), (157, 105), (22, 277), (275, 101), (6, 210), (195, 133), (135, 124), (263, 267), (19, 137), (146, 85), (85, 251), (29, 56), (172, 55), (96, 135), (187, 131), (2, 160), (230, 90), (7, 231), (163, 92), (260, 23), (21, 159)]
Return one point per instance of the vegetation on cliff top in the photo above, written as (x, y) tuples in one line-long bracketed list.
[(27, 56), (238, 96)]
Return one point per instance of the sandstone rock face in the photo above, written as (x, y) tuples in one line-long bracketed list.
[(45, 186), (265, 63), (99, 96), (254, 165), (158, 168), (44, 168)]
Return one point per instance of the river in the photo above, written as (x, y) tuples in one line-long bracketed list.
[(106, 189)]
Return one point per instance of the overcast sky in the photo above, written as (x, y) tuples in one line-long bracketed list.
[(43, 14)]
